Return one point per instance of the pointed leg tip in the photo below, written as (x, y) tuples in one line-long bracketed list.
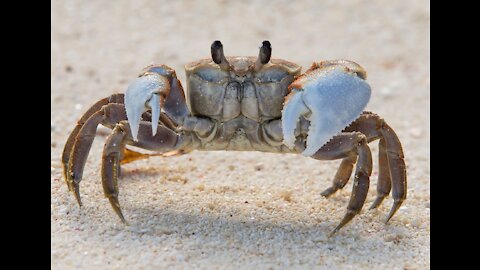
[(332, 233), (377, 202), (75, 188), (116, 207), (122, 218), (325, 195), (328, 192), (80, 204), (346, 219), (390, 215), (396, 205)]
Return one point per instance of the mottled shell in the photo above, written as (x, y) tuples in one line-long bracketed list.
[(214, 92)]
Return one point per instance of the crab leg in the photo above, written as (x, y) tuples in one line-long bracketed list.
[(392, 170), (384, 182), (342, 176), (345, 171), (110, 167), (115, 98), (397, 166), (163, 140), (108, 115), (366, 124), (351, 145)]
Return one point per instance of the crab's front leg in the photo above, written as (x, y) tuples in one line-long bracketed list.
[(156, 89), (330, 95)]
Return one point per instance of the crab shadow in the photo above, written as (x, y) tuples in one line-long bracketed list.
[(138, 173), (231, 234), (229, 230)]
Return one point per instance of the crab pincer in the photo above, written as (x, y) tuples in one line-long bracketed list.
[(330, 95), (147, 92)]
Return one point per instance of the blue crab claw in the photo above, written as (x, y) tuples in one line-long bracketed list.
[(146, 92), (330, 97)]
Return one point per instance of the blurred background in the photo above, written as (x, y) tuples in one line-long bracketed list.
[(99, 46)]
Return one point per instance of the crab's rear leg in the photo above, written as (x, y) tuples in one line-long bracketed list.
[(107, 115), (368, 126), (115, 98), (351, 145), (392, 170), (384, 182), (164, 140), (397, 167)]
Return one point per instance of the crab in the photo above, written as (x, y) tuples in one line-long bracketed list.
[(245, 104)]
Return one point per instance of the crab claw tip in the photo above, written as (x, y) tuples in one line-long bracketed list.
[(154, 103), (134, 114), (142, 94)]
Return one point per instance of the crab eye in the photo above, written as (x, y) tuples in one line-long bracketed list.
[(211, 74), (271, 75)]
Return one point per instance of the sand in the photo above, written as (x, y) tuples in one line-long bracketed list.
[(238, 210)]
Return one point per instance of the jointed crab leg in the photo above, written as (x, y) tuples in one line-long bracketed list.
[(131, 156), (384, 182), (366, 124), (111, 165), (351, 145), (108, 115), (392, 169), (115, 98), (342, 176), (164, 140), (397, 168)]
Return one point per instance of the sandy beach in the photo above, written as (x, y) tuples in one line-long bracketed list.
[(238, 210)]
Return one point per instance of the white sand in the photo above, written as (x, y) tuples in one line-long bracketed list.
[(191, 211)]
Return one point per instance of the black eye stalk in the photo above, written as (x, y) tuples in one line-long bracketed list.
[(218, 57), (264, 55), (217, 52), (265, 52)]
